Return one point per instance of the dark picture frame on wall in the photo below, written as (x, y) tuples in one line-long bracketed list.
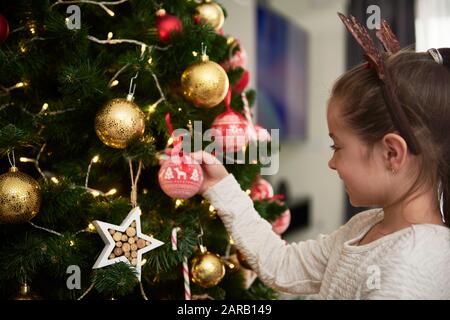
[(281, 74)]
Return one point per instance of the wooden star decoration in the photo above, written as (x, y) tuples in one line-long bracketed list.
[(124, 243)]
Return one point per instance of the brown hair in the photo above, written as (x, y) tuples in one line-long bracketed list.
[(423, 88)]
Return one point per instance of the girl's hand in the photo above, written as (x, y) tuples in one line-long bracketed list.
[(213, 169)]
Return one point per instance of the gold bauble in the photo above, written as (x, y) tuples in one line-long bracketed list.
[(212, 14), (119, 122), (26, 294), (20, 197), (207, 269), (205, 83)]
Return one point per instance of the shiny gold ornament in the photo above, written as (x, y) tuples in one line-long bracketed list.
[(26, 294), (212, 14), (20, 197), (205, 83), (207, 268), (119, 122)]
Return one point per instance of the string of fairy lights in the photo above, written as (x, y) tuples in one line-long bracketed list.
[(6, 90), (146, 51)]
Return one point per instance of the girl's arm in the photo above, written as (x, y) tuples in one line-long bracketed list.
[(292, 268)]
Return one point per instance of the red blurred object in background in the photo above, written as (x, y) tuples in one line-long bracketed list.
[(280, 225), (167, 24), (261, 189), (243, 83), (4, 29)]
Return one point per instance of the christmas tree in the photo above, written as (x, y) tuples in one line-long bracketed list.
[(90, 93)]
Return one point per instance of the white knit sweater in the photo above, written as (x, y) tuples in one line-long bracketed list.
[(412, 263)]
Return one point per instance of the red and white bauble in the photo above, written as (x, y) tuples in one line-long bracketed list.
[(261, 190), (180, 177), (230, 131), (281, 224), (167, 24)]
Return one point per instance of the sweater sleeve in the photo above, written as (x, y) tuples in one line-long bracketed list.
[(296, 268)]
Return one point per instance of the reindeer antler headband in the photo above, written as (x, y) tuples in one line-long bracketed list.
[(377, 61)]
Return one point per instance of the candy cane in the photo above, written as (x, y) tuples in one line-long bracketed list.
[(187, 287), (174, 238)]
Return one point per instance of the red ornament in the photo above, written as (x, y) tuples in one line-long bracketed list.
[(4, 29), (197, 20), (230, 129), (243, 83), (261, 190), (280, 225), (166, 25), (180, 177)]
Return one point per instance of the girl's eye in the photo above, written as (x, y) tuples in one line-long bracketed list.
[(334, 147)]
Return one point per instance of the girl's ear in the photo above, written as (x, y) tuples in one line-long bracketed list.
[(394, 150)]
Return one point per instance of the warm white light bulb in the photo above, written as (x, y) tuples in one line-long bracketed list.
[(111, 192), (95, 193)]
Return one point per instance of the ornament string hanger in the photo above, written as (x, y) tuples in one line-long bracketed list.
[(200, 240), (132, 88), (134, 181), (228, 101), (176, 140), (13, 161), (204, 56)]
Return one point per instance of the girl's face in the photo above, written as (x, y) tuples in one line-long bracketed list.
[(360, 170)]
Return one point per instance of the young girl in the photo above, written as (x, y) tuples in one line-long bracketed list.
[(400, 251)]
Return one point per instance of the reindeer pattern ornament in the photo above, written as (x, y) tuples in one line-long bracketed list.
[(124, 243), (180, 177)]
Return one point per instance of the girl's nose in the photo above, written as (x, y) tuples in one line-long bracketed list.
[(331, 164)]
